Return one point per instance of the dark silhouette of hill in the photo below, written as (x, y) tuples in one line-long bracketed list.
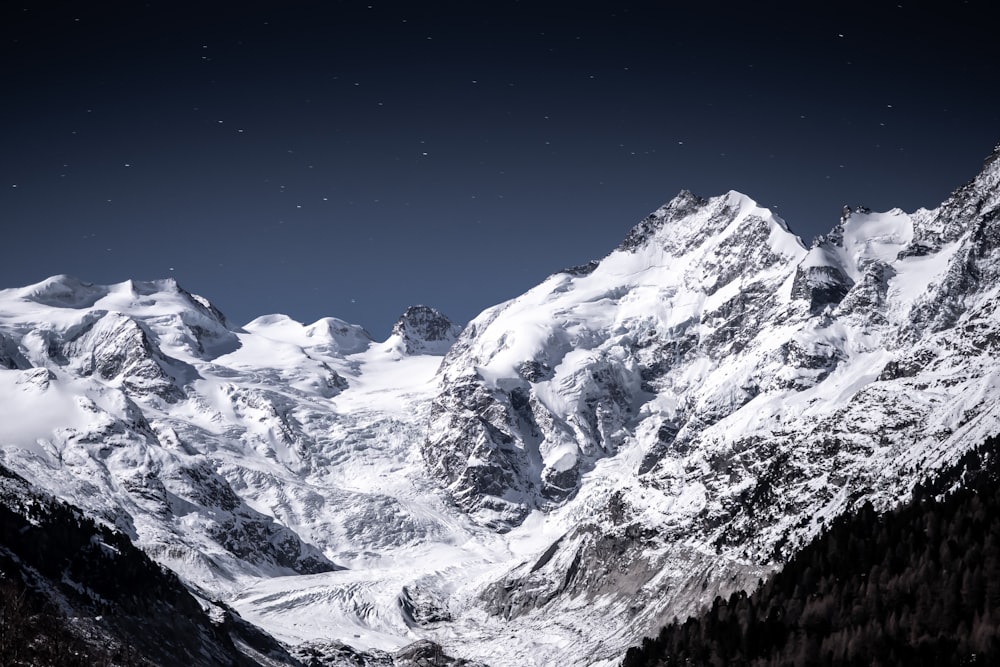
[(73, 592)]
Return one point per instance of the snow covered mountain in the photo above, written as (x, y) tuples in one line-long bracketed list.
[(612, 448)]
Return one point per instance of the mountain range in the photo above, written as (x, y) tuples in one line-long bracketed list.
[(566, 474)]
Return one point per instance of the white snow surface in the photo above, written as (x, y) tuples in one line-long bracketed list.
[(610, 449)]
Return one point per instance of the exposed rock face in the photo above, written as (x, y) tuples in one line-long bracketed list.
[(424, 330), (118, 349), (819, 280), (10, 356), (421, 653)]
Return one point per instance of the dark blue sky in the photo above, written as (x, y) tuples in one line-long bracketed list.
[(353, 158)]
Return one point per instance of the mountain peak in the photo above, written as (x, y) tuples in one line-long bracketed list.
[(424, 330), (63, 291), (972, 204), (328, 335), (688, 221), (683, 204)]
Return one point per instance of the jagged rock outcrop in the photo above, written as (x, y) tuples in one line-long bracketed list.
[(424, 330), (819, 279), (118, 349)]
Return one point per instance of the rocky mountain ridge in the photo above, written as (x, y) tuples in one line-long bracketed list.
[(616, 446)]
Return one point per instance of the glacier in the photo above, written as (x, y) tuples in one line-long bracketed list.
[(550, 483)]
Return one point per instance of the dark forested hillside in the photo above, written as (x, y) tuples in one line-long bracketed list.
[(917, 586), (73, 592)]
